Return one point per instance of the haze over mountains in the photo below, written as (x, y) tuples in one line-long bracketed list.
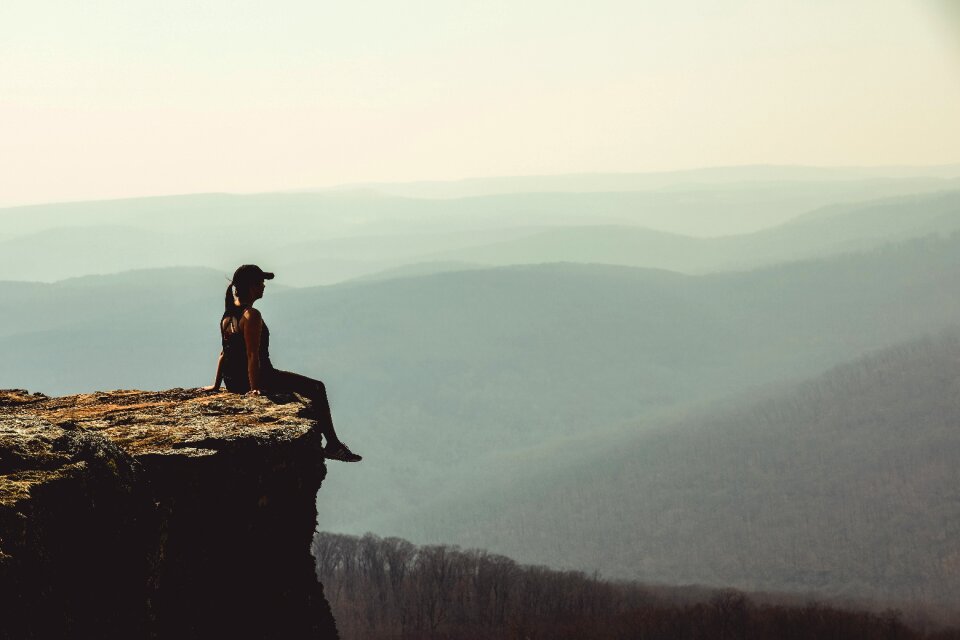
[(607, 379), (688, 179), (332, 236), (845, 485)]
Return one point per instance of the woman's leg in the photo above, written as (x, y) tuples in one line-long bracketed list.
[(315, 390)]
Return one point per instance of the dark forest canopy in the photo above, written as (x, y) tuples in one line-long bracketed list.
[(382, 588)]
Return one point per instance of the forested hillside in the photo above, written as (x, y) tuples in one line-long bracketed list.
[(846, 485), (496, 367), (382, 588)]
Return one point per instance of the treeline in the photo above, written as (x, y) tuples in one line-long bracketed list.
[(389, 588)]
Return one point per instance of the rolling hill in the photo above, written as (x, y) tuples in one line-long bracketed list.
[(829, 231), (331, 237), (845, 486)]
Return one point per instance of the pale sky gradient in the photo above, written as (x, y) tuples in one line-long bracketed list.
[(104, 99)]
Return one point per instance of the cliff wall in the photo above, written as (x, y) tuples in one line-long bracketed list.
[(174, 514)]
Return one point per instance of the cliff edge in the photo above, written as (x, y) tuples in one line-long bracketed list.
[(173, 514)]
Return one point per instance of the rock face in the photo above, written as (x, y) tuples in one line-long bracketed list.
[(174, 514)]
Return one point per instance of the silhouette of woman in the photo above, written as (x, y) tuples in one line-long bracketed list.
[(244, 365)]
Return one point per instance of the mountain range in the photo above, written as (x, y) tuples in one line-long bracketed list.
[(563, 382)]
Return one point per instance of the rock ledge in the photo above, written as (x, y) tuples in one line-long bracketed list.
[(159, 515)]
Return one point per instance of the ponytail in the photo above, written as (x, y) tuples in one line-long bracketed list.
[(228, 303)]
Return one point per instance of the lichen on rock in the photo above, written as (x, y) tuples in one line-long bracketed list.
[(164, 514)]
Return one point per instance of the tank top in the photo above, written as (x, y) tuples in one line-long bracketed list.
[(234, 367)]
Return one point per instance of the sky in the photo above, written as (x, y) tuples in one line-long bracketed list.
[(107, 99)]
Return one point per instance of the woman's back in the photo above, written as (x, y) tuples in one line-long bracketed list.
[(235, 349)]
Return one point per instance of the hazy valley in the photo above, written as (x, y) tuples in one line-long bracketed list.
[(573, 379)]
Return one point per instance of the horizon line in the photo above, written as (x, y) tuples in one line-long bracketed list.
[(368, 184)]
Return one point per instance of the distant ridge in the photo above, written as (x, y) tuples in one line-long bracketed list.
[(823, 232), (324, 238), (630, 181)]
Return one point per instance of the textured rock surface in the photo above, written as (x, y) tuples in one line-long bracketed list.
[(175, 514)]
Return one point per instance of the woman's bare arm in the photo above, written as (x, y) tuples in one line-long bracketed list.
[(252, 326), (219, 377)]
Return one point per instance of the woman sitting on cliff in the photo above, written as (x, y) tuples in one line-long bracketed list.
[(244, 364)]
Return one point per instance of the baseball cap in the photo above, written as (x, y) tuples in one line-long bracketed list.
[(249, 273)]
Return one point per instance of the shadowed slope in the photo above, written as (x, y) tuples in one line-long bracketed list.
[(845, 485)]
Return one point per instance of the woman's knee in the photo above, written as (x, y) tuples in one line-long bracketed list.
[(309, 386), (320, 389)]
